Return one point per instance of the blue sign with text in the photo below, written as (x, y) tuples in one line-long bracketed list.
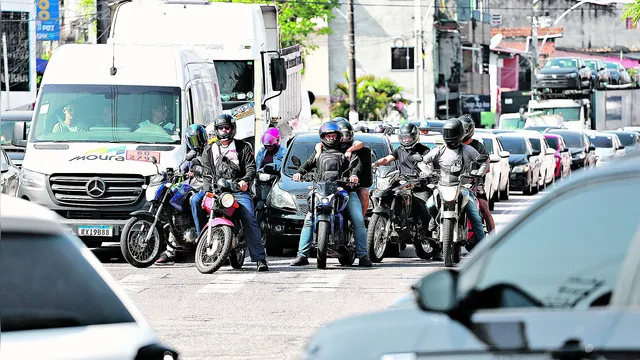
[(47, 20)]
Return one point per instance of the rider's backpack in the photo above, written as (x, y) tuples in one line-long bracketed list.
[(330, 165)]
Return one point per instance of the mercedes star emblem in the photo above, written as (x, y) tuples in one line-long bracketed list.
[(95, 187)]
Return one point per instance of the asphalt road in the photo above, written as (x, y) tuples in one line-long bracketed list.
[(240, 314)]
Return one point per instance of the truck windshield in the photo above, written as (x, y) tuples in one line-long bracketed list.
[(236, 80), (568, 114), (511, 123), (108, 113)]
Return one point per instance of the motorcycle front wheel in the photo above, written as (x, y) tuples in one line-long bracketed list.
[(448, 227), (323, 241), (376, 238), (135, 249), (211, 255)]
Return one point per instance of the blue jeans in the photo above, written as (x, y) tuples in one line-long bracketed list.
[(472, 212), (354, 211), (246, 213), (196, 209)]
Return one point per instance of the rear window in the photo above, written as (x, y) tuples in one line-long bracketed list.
[(535, 144), (602, 141), (47, 283), (514, 145)]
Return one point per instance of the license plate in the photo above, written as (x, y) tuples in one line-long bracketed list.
[(97, 230), (136, 155)]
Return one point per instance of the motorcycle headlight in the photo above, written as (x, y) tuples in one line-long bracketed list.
[(227, 200), (281, 199), (449, 193), (520, 168), (264, 177), (31, 178), (323, 200)]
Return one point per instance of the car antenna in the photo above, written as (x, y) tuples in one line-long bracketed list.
[(113, 69)]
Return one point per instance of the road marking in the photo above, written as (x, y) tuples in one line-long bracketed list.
[(134, 282), (227, 283), (321, 283)]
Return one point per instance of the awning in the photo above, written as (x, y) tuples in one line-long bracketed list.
[(41, 64)]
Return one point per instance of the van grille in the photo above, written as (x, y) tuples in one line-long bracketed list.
[(94, 215), (104, 190)]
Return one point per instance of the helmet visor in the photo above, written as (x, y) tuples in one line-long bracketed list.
[(407, 139)]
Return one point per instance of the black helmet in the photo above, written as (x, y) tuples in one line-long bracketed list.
[(408, 135), (346, 129), (328, 128), (196, 137), (225, 120), (453, 133), (469, 126), (379, 129)]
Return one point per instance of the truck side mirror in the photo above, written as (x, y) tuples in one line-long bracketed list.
[(19, 134), (278, 74)]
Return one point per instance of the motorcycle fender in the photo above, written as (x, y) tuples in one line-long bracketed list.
[(144, 214), (382, 210), (323, 217), (449, 215), (261, 205), (217, 222)]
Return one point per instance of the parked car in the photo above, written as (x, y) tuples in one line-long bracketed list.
[(583, 153), (630, 139), (499, 168), (548, 166), (618, 74), (630, 128), (608, 147), (579, 303), (564, 73), (525, 163), (58, 301), (7, 119), (562, 155), (287, 202), (599, 73), (10, 178)]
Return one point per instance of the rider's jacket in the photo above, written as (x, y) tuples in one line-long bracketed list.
[(235, 162), (329, 165), (442, 158), (277, 157), (480, 148), (406, 164), (196, 167)]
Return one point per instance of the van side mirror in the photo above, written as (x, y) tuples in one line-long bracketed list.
[(621, 147), (278, 74), (19, 134)]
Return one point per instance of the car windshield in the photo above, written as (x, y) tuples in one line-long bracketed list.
[(602, 141), (561, 63), (573, 140), (535, 144), (568, 114), (628, 139), (612, 66), (108, 113), (593, 65), (514, 145), (553, 142)]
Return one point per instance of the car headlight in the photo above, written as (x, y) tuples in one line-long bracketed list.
[(520, 168), (582, 155), (448, 192), (227, 200), (572, 75), (281, 199), (31, 178)]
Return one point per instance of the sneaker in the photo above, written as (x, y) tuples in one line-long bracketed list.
[(165, 260), (300, 261), (365, 262), (262, 266)]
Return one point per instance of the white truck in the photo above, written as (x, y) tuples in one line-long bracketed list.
[(258, 80), (576, 113)]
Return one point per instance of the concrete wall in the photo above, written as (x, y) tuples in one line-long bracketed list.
[(316, 74), (588, 26), (377, 29), (617, 108)]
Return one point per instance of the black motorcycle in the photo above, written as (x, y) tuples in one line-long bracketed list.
[(266, 177)]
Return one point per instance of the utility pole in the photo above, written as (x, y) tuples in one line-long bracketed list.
[(534, 42), (353, 104), (103, 21), (417, 56), (6, 68)]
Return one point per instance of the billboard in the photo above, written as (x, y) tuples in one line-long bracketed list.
[(47, 20)]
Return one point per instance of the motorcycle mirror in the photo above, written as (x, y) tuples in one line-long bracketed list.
[(154, 161), (296, 161)]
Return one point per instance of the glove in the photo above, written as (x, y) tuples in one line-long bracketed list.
[(423, 175)]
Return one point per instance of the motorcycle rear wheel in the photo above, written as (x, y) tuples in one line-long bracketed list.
[(323, 240), (223, 234), (157, 242)]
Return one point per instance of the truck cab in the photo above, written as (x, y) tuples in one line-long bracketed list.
[(575, 113)]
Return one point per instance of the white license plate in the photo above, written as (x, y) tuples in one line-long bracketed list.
[(95, 230)]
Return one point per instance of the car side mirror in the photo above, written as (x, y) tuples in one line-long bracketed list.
[(601, 69), (436, 292), (592, 148), (535, 153), (551, 151), (564, 150), (583, 66), (270, 169), (494, 158), (296, 161), (505, 154), (4, 167), (621, 147), (278, 74), (19, 134)]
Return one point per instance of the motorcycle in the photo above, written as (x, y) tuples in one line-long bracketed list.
[(222, 237), (333, 235), (392, 221), (262, 185), (144, 237)]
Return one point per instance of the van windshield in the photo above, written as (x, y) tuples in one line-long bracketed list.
[(108, 113), (568, 114)]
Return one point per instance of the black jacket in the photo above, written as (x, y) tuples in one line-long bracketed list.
[(310, 165), (245, 171)]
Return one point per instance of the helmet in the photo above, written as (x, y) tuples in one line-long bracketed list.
[(469, 126), (408, 135), (379, 128), (329, 128), (271, 137), (424, 126), (346, 129), (196, 137), (452, 133), (225, 120), (211, 133), (363, 129)]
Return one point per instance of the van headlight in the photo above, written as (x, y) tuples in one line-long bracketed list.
[(32, 179), (449, 193), (281, 199)]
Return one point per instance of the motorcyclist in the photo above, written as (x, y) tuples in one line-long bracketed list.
[(330, 136), (470, 126), (272, 151), (444, 156), (350, 146), (196, 140), (231, 159), (410, 145)]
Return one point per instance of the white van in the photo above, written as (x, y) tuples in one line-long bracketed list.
[(102, 112)]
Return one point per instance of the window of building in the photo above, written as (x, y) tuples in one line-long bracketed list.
[(496, 20), (402, 58)]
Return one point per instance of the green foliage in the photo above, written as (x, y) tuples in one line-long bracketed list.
[(317, 112), (632, 11), (373, 96)]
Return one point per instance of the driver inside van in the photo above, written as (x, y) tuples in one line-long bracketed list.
[(158, 121), (71, 123)]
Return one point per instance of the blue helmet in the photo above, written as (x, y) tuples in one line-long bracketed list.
[(329, 128), (196, 137)]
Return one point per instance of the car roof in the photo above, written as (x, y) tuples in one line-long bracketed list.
[(17, 115), (19, 215), (550, 135), (512, 135), (564, 131)]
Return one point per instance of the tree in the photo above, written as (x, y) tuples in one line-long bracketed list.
[(374, 96), (297, 20), (632, 11)]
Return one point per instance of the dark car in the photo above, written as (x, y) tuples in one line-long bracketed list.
[(434, 125), (287, 202), (630, 139), (564, 73), (618, 74), (599, 73), (524, 161), (583, 153), (7, 119)]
